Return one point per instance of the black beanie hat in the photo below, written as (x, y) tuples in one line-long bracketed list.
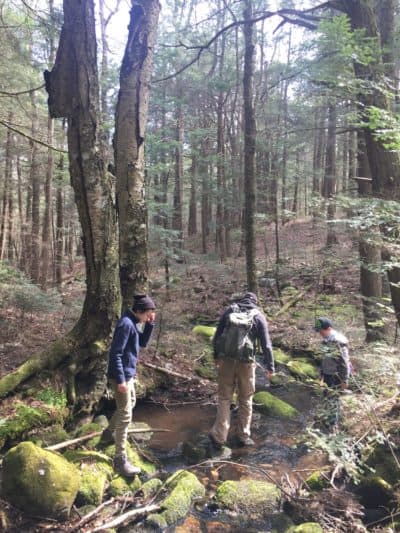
[(251, 296), (143, 302)]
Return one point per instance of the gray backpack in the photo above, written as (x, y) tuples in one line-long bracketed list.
[(235, 341)]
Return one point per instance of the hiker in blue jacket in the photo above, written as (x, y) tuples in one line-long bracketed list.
[(239, 369), (132, 332)]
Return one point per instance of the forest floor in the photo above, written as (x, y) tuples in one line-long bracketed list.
[(200, 288), (312, 280)]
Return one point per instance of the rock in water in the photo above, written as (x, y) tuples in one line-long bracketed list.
[(39, 482)]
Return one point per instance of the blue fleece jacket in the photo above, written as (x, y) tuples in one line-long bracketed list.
[(125, 347)]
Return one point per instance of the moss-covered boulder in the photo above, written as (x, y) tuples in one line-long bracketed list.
[(151, 487), (307, 527), (280, 379), (25, 417), (40, 482), (206, 332), (317, 481), (249, 497), (268, 404), (49, 436), (199, 448), (120, 486), (281, 357), (184, 488), (96, 470), (383, 463), (303, 368), (375, 492)]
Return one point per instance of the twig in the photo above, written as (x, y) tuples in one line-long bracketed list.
[(126, 517), (32, 139), (89, 516), (176, 374), (70, 442)]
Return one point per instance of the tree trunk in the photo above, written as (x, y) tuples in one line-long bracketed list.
[(74, 93), (47, 218), (329, 188), (6, 190), (131, 117), (192, 222), (59, 244), (34, 248), (177, 215), (249, 150)]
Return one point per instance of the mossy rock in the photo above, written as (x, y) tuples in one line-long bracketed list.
[(120, 486), (184, 488), (268, 404), (88, 428), (317, 481), (384, 464), (249, 497), (151, 487), (375, 492), (280, 356), (199, 448), (96, 470), (26, 418), (279, 379), (307, 527), (206, 332), (280, 523), (40, 482), (49, 436), (303, 368)]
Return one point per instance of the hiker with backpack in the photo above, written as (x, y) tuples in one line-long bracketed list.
[(335, 362), (239, 328)]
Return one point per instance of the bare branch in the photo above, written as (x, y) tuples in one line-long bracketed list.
[(32, 139), (27, 91)]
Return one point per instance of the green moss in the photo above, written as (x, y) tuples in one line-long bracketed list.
[(303, 368), (278, 379), (207, 332), (151, 487), (307, 527), (249, 496), (384, 464), (85, 429), (40, 482), (280, 356), (206, 368), (51, 396), (317, 481), (96, 469), (268, 404), (26, 418), (134, 457), (120, 486), (374, 492), (184, 488), (49, 436)]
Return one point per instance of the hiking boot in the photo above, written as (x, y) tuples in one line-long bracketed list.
[(246, 441), (106, 438), (217, 445), (123, 467)]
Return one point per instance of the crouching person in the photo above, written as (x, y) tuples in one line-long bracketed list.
[(234, 350), (133, 331), (335, 362)]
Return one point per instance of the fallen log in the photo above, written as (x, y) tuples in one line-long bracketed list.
[(175, 374)]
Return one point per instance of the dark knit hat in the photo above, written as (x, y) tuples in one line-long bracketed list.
[(251, 296), (322, 323), (143, 302)]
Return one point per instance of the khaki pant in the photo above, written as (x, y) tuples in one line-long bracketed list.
[(233, 372), (122, 417)]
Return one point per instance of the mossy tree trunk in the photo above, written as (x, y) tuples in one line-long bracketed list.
[(130, 125), (74, 93)]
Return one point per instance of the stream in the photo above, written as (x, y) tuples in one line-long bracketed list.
[(279, 452)]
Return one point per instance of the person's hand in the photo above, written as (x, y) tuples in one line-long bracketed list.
[(151, 317), (343, 386), (269, 374), (218, 363), (122, 387)]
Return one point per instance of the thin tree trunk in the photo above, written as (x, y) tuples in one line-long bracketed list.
[(6, 190), (177, 216), (34, 248), (131, 118), (329, 189), (249, 150)]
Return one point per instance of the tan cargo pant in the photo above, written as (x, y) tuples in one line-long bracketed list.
[(122, 417), (231, 373)]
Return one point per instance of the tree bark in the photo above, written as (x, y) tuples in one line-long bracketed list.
[(34, 248), (131, 117), (249, 150), (329, 188)]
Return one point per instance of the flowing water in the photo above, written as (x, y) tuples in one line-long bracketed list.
[(279, 452)]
